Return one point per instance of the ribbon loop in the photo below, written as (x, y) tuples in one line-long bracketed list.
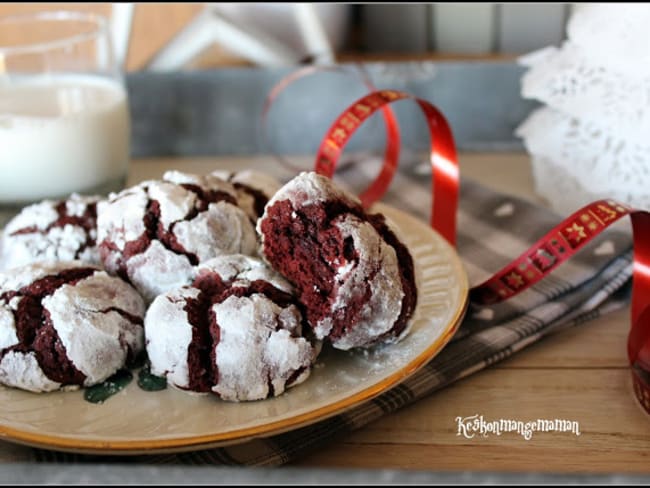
[(444, 173), (391, 151)]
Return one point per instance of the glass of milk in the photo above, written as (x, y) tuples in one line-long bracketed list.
[(64, 119)]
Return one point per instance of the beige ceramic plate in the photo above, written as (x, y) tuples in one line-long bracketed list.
[(135, 421)]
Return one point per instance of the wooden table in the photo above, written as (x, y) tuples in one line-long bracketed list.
[(580, 374)]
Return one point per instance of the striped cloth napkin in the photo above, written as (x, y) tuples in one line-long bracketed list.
[(493, 230)]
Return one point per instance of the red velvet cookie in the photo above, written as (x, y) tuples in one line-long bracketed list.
[(236, 332), (352, 274), (60, 230), (156, 233), (66, 324)]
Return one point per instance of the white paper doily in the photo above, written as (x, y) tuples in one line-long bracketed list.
[(615, 35), (598, 162), (592, 139), (567, 80)]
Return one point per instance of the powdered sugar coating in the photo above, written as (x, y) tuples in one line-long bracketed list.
[(8, 335), (96, 319), (120, 218), (209, 181), (222, 227), (175, 201), (87, 317), (375, 265), (155, 233), (309, 188), (168, 335), (256, 342), (258, 346), (21, 370), (77, 204), (250, 185), (26, 275), (39, 215), (52, 230), (157, 270)]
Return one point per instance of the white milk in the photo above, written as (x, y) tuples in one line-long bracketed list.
[(69, 133)]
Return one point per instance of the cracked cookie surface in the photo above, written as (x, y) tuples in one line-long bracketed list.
[(52, 230), (236, 331), (66, 325), (155, 234)]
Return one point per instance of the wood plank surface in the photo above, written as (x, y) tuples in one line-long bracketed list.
[(614, 433)]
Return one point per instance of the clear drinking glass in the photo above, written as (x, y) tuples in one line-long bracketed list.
[(64, 119)]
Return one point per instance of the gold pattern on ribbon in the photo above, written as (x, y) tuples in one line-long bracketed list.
[(362, 109), (578, 230), (390, 95), (595, 216), (350, 121), (610, 214), (527, 269), (339, 135), (375, 101), (514, 280)]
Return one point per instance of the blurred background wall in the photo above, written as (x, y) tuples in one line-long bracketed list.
[(193, 111), (365, 31)]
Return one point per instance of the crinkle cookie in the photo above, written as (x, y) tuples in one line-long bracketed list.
[(254, 189), (352, 274), (236, 332), (66, 324), (154, 234), (52, 230)]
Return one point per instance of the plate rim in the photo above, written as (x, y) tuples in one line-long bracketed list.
[(241, 435)]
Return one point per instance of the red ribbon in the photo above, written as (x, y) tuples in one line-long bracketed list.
[(444, 164), (538, 261)]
